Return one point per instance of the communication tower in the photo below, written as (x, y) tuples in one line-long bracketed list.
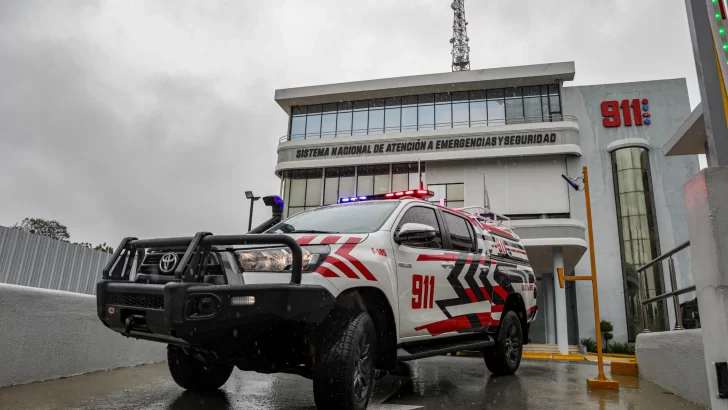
[(459, 40)]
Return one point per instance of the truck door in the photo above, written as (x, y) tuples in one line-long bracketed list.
[(421, 276)]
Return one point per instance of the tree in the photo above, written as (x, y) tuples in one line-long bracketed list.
[(42, 227), (104, 248)]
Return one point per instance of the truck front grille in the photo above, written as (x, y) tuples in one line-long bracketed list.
[(138, 301)]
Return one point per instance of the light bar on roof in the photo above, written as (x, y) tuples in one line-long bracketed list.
[(415, 193)]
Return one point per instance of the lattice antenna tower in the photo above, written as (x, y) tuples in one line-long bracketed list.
[(459, 40)]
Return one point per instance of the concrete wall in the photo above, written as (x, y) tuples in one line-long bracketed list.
[(33, 260), (669, 106), (675, 361), (515, 185), (47, 334)]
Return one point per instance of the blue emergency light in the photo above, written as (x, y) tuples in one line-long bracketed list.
[(415, 193)]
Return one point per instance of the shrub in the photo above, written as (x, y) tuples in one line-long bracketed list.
[(590, 344), (621, 348), (606, 326)]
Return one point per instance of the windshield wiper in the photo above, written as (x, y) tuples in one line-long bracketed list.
[(308, 231)]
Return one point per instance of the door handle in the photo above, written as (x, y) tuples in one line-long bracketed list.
[(448, 265)]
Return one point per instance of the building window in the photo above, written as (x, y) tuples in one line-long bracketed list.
[(407, 176), (339, 183), (639, 241), (478, 108), (452, 194), (303, 189)]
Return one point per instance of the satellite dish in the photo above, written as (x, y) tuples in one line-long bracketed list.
[(455, 5)]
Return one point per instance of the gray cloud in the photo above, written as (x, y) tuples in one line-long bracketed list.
[(151, 118)]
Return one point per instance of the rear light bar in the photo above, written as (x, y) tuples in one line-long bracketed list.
[(416, 193)]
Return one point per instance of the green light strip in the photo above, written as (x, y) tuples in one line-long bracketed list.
[(721, 28)]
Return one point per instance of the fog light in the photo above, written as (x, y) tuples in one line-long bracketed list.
[(203, 306), (242, 300)]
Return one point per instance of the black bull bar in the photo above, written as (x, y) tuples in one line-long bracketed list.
[(293, 301)]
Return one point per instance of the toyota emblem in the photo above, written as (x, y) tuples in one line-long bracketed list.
[(168, 262)]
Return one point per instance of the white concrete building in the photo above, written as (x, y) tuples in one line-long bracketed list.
[(514, 130)]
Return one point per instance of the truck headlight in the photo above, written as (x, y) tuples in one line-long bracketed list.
[(280, 259)]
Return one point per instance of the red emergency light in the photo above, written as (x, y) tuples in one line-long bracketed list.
[(415, 193)]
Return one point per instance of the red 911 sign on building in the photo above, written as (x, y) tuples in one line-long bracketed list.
[(626, 112)]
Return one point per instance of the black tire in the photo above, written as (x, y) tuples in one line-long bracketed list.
[(504, 358), (193, 375), (344, 372)]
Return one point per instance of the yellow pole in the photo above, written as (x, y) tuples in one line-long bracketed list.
[(594, 275)]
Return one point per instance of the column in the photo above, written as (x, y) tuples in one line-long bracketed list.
[(562, 333), (548, 312), (705, 197)]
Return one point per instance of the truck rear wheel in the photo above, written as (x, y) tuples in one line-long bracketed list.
[(344, 373), (505, 357), (194, 375)]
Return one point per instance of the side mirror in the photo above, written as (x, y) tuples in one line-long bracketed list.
[(415, 233)]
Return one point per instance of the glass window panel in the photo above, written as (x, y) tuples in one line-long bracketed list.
[(440, 192), (545, 108), (443, 98), (409, 119), (376, 121), (496, 112), (456, 192), (478, 113), (532, 109), (314, 109), (298, 193), (361, 105), (331, 186), (460, 232), (514, 111), (400, 182), (365, 180), (425, 117), (376, 103), (393, 102), (328, 125), (298, 127), (532, 91), (343, 124), (409, 100), (443, 116), (460, 115), (513, 92), (313, 191), (360, 123), (292, 211), (414, 180), (422, 215), (426, 99), (477, 95), (313, 126), (346, 106), (346, 182), (495, 94), (298, 110), (455, 204), (329, 108), (381, 184), (391, 120), (554, 99)]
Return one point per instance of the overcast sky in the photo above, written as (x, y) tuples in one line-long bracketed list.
[(151, 118)]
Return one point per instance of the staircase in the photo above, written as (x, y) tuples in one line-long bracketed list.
[(548, 348)]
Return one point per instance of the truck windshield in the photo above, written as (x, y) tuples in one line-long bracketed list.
[(364, 217)]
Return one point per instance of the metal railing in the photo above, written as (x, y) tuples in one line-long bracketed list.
[(426, 127), (673, 282)]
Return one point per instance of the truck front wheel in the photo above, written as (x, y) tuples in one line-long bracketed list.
[(194, 375), (505, 357), (344, 373)]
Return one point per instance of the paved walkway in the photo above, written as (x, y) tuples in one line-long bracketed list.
[(435, 383)]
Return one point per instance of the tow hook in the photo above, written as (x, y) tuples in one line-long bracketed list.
[(129, 322)]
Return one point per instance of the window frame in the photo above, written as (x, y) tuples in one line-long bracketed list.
[(471, 229), (444, 239)]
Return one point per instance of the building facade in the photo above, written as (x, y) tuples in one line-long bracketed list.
[(512, 132)]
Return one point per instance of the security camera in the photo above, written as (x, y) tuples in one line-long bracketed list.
[(571, 182)]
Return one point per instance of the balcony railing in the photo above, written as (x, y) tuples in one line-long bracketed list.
[(426, 127), (673, 282)]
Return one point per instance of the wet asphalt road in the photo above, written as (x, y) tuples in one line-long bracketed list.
[(435, 383)]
